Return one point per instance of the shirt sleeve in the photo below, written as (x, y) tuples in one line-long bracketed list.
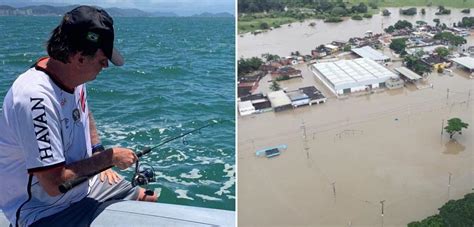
[(39, 130)]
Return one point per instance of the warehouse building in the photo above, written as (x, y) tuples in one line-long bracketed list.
[(347, 76)]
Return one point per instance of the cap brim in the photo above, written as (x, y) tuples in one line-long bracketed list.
[(116, 58)]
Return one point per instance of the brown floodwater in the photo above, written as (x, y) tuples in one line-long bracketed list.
[(301, 37), (350, 156)]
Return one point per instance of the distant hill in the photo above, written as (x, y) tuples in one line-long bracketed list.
[(213, 15), (47, 10)]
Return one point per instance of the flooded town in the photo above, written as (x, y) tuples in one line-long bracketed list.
[(341, 126)]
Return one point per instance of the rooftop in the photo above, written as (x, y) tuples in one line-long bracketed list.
[(351, 73), (370, 53), (467, 62)]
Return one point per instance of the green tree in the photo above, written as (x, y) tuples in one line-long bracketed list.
[(356, 17), (338, 11), (270, 57), (275, 86), (420, 22), (416, 65), (390, 29), (386, 12), (264, 25), (403, 24), (442, 51), (398, 45), (248, 65), (455, 125), (423, 11), (453, 213), (450, 38), (436, 20)]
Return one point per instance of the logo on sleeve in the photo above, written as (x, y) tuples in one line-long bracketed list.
[(41, 128)]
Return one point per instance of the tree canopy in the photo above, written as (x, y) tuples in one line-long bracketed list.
[(442, 51), (248, 65), (275, 86), (416, 65), (453, 213), (455, 125), (450, 38), (398, 45)]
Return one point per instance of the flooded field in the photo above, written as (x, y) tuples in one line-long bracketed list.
[(347, 157), (301, 37)]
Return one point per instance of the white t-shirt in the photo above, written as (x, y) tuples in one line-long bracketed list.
[(42, 125)]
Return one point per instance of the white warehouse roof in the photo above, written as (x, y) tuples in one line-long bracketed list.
[(370, 53), (353, 73), (467, 62)]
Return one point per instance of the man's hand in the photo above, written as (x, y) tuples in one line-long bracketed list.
[(123, 157), (110, 175)]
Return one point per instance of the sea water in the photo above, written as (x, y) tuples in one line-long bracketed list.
[(178, 76)]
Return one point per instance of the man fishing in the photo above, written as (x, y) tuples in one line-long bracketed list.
[(49, 135)]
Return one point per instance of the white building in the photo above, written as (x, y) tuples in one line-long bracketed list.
[(279, 100), (371, 53), (346, 76), (246, 108)]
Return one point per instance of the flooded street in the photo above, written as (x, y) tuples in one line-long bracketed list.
[(351, 157), (301, 37), (346, 156)]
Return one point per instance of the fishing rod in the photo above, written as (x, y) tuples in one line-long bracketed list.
[(68, 185)]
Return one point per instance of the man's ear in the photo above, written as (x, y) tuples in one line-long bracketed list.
[(77, 58)]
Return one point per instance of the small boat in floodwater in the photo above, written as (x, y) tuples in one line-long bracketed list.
[(271, 151)]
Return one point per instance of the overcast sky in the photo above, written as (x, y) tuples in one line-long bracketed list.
[(180, 7)]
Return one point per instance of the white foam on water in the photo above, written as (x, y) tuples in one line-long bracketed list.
[(193, 174), (208, 182), (182, 154), (221, 151), (178, 157), (208, 160), (182, 194), (230, 172), (173, 179), (206, 197), (230, 197), (162, 130)]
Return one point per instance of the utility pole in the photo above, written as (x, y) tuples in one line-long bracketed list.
[(334, 190), (304, 130), (442, 126), (447, 95), (381, 203), (449, 185), (468, 97)]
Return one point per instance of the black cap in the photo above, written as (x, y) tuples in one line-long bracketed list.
[(87, 24)]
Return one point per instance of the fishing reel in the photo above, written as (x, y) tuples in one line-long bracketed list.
[(144, 174)]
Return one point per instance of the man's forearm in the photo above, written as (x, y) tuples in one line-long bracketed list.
[(51, 179), (93, 130)]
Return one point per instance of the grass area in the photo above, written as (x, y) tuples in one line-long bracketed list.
[(252, 25), (404, 3)]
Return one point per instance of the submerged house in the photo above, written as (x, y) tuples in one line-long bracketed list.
[(314, 95), (298, 98), (260, 102), (279, 100), (286, 72)]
